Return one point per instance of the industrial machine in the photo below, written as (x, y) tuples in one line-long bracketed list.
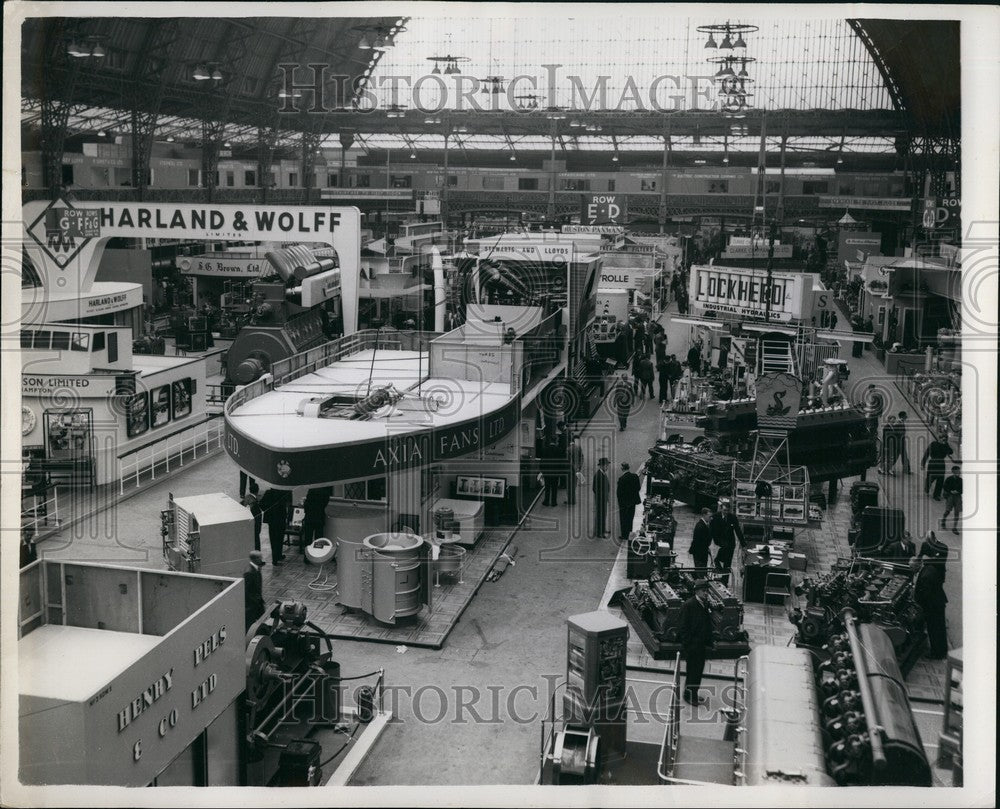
[(593, 732), (698, 476), (388, 575), (653, 608), (652, 547), (287, 315), (294, 706), (210, 534), (877, 592)]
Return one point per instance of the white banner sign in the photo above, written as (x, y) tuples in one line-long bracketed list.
[(603, 230), (871, 203), (221, 267), (743, 292), (367, 193), (758, 250)]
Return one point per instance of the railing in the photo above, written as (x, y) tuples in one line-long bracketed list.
[(46, 511), (214, 397), (671, 735), (298, 365), (203, 437), (740, 708)]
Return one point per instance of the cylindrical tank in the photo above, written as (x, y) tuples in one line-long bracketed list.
[(450, 559), (399, 553), (350, 566)]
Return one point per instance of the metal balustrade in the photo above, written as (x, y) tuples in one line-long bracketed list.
[(199, 440)]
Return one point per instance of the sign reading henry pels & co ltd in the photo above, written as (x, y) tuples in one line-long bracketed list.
[(747, 293)]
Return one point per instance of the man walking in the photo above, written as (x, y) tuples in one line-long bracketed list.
[(663, 374), (253, 589), (725, 531), (952, 497), (933, 462), (891, 438), (928, 593), (621, 401), (601, 487), (702, 540), (252, 502), (628, 498), (675, 373), (697, 637), (575, 458)]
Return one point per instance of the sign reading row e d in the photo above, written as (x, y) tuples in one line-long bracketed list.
[(600, 209)]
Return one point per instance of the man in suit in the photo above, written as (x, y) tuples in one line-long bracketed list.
[(628, 498), (275, 504), (726, 530), (575, 458), (928, 593), (601, 487), (621, 401), (252, 502), (253, 589), (314, 518), (702, 541), (697, 637)]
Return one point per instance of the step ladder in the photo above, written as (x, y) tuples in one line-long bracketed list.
[(776, 356)]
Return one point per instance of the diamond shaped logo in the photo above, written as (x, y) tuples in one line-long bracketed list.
[(59, 234)]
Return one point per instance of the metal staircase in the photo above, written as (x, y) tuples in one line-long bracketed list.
[(776, 356)]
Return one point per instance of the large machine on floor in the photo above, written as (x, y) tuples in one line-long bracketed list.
[(284, 316)]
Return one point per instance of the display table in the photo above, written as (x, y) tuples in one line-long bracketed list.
[(756, 567), (468, 515)]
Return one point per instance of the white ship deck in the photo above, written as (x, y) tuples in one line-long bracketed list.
[(272, 418)]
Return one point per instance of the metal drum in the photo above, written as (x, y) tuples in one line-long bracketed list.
[(351, 562), (450, 560), (396, 574), (443, 519)]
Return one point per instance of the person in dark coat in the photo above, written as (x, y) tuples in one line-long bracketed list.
[(892, 440), (628, 498), (275, 504), (621, 401), (554, 460), (901, 551), (952, 498), (675, 373), (694, 359), (663, 374), (726, 530), (701, 543), (697, 637), (575, 458), (928, 593), (252, 502), (253, 589), (601, 487), (314, 518), (933, 462), (644, 376)]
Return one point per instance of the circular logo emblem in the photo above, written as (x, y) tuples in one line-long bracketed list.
[(28, 420), (284, 468)]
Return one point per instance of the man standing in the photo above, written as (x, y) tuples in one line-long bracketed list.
[(890, 446), (933, 462), (252, 502), (663, 372), (725, 531), (314, 519), (601, 487), (901, 420), (928, 593), (952, 498), (697, 637), (694, 359), (628, 499), (674, 374), (702, 540), (644, 375), (253, 589), (275, 503), (874, 406), (621, 401), (575, 453), (833, 320)]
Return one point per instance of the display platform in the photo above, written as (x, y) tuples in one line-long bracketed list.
[(430, 628)]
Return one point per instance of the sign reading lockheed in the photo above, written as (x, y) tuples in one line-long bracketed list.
[(310, 466), (746, 293)]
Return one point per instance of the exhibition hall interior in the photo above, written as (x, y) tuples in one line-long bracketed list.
[(560, 400)]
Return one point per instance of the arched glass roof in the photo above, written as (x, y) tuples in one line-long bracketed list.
[(623, 63)]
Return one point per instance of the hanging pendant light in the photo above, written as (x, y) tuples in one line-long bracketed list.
[(365, 43), (711, 42), (216, 75), (437, 70), (98, 52), (739, 43), (615, 158), (726, 43), (513, 156)]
